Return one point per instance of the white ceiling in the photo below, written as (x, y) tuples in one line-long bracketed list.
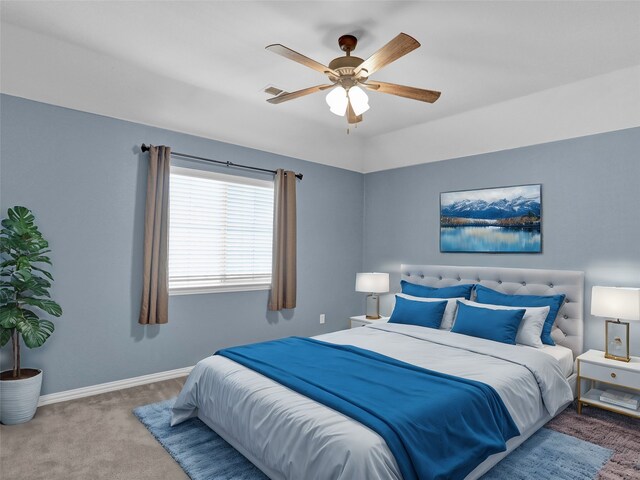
[(200, 67)]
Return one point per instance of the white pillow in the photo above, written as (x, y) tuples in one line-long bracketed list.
[(449, 311), (531, 326)]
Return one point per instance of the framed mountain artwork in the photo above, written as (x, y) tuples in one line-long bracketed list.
[(492, 220)]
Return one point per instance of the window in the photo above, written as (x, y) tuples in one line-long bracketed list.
[(220, 232)]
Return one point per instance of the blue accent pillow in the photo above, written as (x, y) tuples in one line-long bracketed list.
[(423, 314), (497, 325), (554, 302), (432, 292)]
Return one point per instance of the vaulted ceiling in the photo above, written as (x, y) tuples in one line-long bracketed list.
[(201, 67)]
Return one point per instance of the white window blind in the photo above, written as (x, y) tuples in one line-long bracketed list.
[(220, 232)]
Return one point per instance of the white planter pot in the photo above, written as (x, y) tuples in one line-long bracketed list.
[(19, 399)]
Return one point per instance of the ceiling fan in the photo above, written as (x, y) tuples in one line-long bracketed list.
[(347, 74)]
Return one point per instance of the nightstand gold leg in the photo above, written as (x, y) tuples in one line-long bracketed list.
[(579, 408)]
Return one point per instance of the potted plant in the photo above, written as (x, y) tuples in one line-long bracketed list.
[(24, 291)]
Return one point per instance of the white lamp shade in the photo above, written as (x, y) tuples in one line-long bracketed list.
[(337, 101), (359, 100), (616, 302), (372, 282)]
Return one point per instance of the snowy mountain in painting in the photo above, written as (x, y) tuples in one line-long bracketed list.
[(502, 208)]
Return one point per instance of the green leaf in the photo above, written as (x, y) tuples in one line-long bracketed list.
[(37, 246), (32, 286), (42, 282), (10, 242), (22, 276), (5, 296), (35, 332), (22, 214), (9, 315), (26, 313), (41, 259), (44, 272), (20, 221), (49, 306), (23, 264), (5, 335), (8, 263), (36, 286)]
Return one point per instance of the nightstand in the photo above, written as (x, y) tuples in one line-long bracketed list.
[(362, 320), (614, 374)]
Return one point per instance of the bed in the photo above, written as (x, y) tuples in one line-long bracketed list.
[(288, 435)]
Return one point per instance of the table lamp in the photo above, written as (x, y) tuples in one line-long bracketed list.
[(372, 283), (616, 303)]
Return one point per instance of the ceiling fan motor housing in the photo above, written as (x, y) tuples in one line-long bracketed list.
[(345, 65)]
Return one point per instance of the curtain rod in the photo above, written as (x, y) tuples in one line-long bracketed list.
[(145, 148)]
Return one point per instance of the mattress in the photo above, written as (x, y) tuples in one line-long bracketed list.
[(564, 356), (289, 436)]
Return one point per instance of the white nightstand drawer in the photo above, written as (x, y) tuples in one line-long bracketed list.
[(615, 376)]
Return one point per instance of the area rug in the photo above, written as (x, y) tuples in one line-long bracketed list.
[(559, 452), (201, 452), (610, 430)]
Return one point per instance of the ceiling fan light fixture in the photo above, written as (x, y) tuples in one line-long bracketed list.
[(359, 100), (337, 101)]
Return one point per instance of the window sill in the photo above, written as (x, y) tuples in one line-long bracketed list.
[(217, 289)]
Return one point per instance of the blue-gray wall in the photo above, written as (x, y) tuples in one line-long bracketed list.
[(85, 179), (590, 201)]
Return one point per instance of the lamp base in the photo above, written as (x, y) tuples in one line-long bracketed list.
[(617, 340), (373, 307), (620, 359)]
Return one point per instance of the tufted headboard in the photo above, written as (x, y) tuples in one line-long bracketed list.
[(522, 281)]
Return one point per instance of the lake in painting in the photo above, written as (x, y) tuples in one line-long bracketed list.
[(496, 220), (489, 239)]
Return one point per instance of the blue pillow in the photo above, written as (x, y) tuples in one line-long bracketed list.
[(423, 314), (432, 292), (554, 302), (497, 325)]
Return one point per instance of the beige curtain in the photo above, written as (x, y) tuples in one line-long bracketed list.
[(155, 289), (283, 270)]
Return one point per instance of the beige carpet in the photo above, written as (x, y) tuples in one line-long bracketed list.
[(90, 438)]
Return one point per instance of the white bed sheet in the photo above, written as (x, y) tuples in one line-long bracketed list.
[(290, 436), (564, 356)]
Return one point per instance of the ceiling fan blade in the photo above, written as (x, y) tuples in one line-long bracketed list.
[(396, 48), (352, 118), (413, 93), (286, 96), (298, 57)]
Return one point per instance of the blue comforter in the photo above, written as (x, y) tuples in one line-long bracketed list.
[(437, 426)]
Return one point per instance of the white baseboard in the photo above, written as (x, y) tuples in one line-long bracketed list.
[(112, 386)]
